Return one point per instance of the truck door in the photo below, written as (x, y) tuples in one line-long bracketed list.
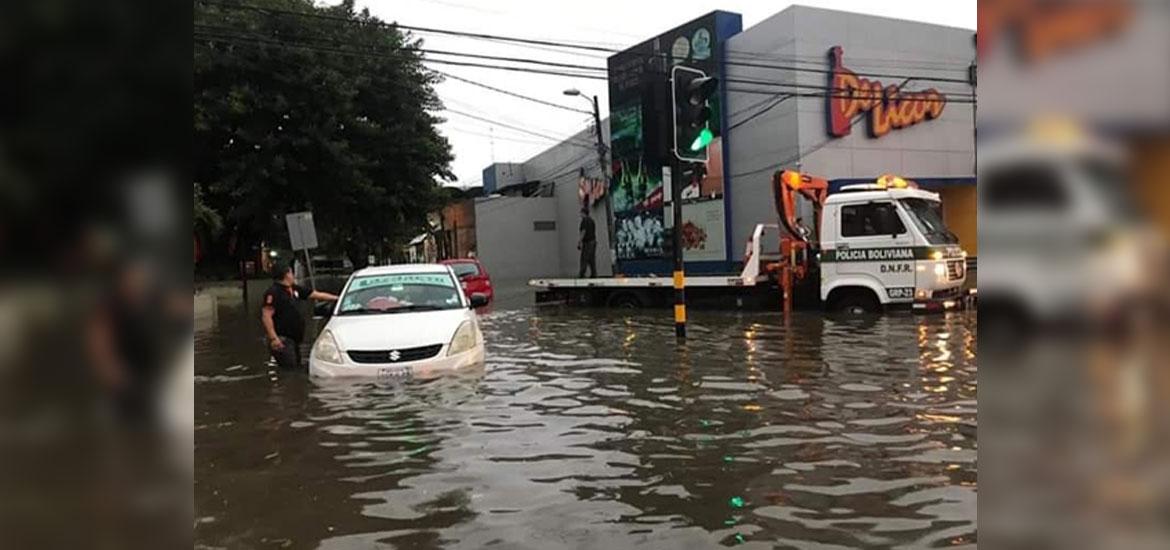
[(875, 245)]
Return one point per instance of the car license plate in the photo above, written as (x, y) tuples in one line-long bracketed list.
[(395, 373)]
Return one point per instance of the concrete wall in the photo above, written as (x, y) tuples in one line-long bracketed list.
[(509, 246), (562, 165), (794, 133), (762, 125)]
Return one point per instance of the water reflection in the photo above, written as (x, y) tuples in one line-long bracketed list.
[(593, 429)]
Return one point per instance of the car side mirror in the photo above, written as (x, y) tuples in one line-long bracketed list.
[(478, 300)]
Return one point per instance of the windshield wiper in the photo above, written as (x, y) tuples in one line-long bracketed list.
[(360, 311), (414, 307)]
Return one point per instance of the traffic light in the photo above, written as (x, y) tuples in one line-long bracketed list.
[(691, 93)]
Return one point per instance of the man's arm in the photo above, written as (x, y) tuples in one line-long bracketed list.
[(318, 295), (266, 313)]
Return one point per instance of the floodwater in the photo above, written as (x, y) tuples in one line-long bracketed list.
[(593, 429)]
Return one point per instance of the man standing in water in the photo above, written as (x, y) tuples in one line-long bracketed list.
[(283, 324), (587, 244)]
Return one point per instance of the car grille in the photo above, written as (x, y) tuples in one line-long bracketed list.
[(956, 269), (395, 355)]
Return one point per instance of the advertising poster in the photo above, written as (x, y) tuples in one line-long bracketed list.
[(641, 132), (703, 231)]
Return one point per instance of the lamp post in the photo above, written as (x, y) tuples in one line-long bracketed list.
[(604, 173)]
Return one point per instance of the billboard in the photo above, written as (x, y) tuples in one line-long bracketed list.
[(642, 136)]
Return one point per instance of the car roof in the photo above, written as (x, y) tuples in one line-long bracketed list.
[(862, 195), (401, 268), (459, 261)]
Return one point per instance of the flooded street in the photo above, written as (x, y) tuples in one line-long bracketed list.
[(593, 429)]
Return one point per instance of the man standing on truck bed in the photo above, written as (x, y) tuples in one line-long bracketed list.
[(587, 244)]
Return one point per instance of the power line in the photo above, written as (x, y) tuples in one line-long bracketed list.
[(492, 136), (527, 41), (759, 113), (248, 40), (264, 9), (835, 92), (567, 140), (513, 94)]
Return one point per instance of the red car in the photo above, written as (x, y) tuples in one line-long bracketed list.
[(473, 276)]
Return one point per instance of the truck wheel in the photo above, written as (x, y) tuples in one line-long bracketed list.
[(625, 300), (856, 303)]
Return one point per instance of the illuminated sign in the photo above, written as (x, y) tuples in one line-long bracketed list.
[(887, 107)]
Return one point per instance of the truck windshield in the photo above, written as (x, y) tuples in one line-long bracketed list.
[(927, 215)]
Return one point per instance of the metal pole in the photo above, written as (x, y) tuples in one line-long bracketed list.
[(605, 169), (309, 265), (680, 292)]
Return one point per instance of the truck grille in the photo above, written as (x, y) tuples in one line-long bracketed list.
[(395, 355), (956, 269), (946, 294)]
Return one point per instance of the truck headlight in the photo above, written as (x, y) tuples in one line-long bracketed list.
[(940, 269), (326, 349), (464, 339)]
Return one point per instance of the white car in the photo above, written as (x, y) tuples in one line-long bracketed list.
[(400, 321)]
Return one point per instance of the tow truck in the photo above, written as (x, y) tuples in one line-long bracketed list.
[(873, 247)]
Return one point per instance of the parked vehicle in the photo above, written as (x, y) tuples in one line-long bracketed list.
[(472, 276), (398, 322), (873, 247)]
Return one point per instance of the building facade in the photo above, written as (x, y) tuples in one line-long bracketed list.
[(843, 96)]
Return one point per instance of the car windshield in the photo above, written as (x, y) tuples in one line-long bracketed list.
[(465, 269), (1112, 188), (400, 292), (927, 215)]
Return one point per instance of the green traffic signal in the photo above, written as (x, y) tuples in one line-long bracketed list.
[(702, 140)]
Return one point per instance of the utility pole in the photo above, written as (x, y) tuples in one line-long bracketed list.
[(605, 173), (608, 185)]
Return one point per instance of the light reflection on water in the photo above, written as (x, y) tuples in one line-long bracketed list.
[(592, 429)]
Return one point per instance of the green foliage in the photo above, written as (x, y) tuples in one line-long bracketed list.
[(208, 222), (284, 122)]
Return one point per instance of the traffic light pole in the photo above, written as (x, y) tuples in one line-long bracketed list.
[(680, 284)]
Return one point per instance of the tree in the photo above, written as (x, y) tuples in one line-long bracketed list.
[(324, 108)]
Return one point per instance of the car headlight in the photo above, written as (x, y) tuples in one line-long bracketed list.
[(464, 338), (326, 349)]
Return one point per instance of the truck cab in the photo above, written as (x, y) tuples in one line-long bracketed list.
[(886, 245)]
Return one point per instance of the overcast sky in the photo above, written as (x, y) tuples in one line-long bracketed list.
[(607, 23)]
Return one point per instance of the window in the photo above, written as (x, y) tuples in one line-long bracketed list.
[(399, 292), (871, 219), (544, 226), (465, 269), (1024, 187)]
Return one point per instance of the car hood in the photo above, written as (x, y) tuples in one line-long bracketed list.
[(396, 330)]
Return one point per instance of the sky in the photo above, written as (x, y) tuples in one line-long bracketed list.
[(607, 23)]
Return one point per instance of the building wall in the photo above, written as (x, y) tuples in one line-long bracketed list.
[(562, 165), (500, 175), (458, 229), (508, 245), (794, 132)]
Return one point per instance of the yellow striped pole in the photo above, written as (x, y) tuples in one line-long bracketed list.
[(680, 304), (680, 293)]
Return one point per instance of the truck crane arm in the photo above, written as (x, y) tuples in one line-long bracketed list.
[(786, 186)]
